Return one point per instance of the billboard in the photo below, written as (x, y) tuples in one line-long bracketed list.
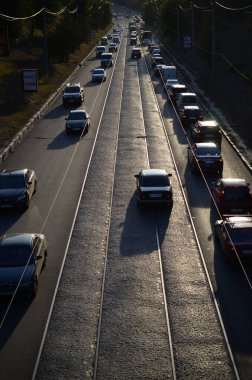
[(30, 79)]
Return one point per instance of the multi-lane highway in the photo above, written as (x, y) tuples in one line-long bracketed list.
[(128, 292)]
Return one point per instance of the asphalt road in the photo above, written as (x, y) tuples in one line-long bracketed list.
[(108, 223)]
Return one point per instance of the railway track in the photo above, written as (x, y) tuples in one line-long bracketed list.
[(134, 301)]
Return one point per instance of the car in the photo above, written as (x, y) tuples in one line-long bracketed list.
[(73, 94), (168, 82), (157, 60), (156, 50), (104, 41), (234, 234), (107, 60), (154, 186), (22, 258), (206, 130), (152, 46), (112, 48), (157, 70), (109, 36), (99, 50), (136, 53), (205, 156), (17, 186), (232, 196), (174, 90), (146, 41), (186, 99), (133, 40), (78, 121), (189, 115), (116, 38), (99, 75)]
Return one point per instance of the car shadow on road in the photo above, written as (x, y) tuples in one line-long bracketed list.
[(63, 140), (141, 226), (8, 218), (17, 309)]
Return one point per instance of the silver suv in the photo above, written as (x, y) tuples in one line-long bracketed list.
[(73, 94)]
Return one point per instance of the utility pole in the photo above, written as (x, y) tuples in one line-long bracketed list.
[(45, 47), (178, 33), (213, 39), (193, 29)]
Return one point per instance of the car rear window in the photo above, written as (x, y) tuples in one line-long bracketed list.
[(210, 129), (243, 234), (154, 181), (208, 151), (193, 113), (235, 193), (189, 99)]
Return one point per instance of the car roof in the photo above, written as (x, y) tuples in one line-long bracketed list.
[(234, 182), (191, 107), (239, 221), (177, 85), (154, 172), (187, 94), (73, 85), (78, 111), (208, 123), (16, 239), (205, 145), (14, 172)]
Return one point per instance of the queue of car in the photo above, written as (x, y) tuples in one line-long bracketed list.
[(23, 255), (231, 196)]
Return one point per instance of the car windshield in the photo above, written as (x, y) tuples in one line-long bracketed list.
[(77, 116), (154, 181), (235, 193), (208, 151), (98, 71), (12, 182), (72, 89), (243, 234), (14, 256)]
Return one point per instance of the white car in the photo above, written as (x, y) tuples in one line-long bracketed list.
[(98, 75)]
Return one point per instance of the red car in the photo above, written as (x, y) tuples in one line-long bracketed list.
[(232, 196), (234, 235)]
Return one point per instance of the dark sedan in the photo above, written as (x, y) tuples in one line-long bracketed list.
[(190, 115), (234, 234), (17, 187), (206, 130), (205, 156), (78, 121), (232, 196), (22, 258), (154, 186)]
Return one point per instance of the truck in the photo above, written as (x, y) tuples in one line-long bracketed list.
[(168, 72)]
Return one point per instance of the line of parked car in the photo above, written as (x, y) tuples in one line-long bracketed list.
[(232, 196)]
